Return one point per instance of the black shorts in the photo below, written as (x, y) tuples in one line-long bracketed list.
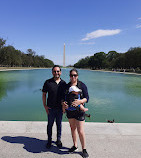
[(78, 115)]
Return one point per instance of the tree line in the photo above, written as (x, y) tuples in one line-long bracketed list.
[(128, 61), (11, 57)]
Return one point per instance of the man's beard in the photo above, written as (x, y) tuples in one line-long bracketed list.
[(57, 76)]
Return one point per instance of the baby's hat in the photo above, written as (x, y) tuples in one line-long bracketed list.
[(74, 89)]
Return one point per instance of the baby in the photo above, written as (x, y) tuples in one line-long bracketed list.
[(74, 93)]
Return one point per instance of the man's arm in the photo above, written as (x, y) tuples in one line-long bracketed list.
[(44, 102)]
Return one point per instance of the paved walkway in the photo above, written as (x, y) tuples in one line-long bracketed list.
[(104, 140)]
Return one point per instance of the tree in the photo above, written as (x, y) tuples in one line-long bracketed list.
[(133, 58), (92, 62), (119, 62), (31, 52), (48, 63), (111, 57), (83, 63), (9, 56), (100, 60), (2, 42)]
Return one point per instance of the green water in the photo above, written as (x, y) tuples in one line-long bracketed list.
[(112, 95)]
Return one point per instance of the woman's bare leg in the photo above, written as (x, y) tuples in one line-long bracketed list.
[(73, 131), (80, 129)]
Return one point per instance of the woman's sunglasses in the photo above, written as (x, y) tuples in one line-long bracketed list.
[(73, 75)]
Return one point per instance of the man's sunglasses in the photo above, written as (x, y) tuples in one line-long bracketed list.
[(56, 71), (73, 75)]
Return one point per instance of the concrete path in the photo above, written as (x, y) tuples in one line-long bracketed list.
[(104, 140)]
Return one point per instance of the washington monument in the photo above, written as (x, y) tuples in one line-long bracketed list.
[(64, 56)]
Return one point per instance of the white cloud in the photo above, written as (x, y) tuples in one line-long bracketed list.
[(138, 26), (101, 33), (88, 43), (139, 18)]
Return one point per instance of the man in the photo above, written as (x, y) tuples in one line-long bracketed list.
[(55, 88)]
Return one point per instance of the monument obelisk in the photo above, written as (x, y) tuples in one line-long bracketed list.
[(64, 56)]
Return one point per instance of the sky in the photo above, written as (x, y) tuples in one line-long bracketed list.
[(85, 26)]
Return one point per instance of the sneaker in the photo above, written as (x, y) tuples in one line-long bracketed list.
[(84, 153), (48, 145), (72, 149), (59, 143)]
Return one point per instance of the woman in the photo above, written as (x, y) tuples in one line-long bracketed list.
[(77, 118)]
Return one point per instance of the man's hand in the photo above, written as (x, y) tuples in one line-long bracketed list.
[(47, 109), (64, 104), (44, 102)]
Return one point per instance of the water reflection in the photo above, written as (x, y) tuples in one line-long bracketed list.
[(112, 96), (2, 89), (133, 86)]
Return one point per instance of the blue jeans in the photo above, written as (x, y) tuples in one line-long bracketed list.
[(54, 114)]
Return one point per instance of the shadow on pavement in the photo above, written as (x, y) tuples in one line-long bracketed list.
[(35, 145)]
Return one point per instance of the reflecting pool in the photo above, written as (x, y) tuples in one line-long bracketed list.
[(112, 95)]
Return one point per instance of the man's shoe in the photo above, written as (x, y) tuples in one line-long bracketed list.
[(84, 153), (48, 146), (59, 143), (72, 149)]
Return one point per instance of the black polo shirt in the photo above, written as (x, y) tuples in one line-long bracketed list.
[(55, 92)]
